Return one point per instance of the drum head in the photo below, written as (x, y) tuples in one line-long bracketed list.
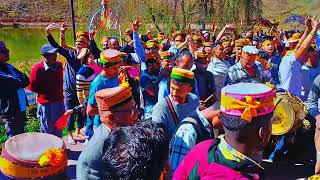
[(284, 117), (30, 146)]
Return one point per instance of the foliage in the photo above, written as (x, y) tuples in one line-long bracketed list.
[(33, 124)]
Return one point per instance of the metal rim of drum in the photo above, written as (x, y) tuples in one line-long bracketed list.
[(290, 108)]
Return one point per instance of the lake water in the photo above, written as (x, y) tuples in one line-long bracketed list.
[(24, 43)]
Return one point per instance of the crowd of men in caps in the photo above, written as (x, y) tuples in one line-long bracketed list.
[(186, 105)]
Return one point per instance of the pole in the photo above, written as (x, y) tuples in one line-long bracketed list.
[(73, 21)]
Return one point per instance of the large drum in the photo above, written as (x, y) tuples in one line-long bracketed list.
[(289, 113), (33, 156)]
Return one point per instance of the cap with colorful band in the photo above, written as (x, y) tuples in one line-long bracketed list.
[(151, 44), (197, 39), (241, 43), (201, 55), (226, 43), (110, 98), (82, 33), (82, 39), (247, 100), (182, 75), (165, 55), (152, 55), (110, 57), (206, 44)]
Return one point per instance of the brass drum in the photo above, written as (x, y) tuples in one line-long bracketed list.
[(289, 113)]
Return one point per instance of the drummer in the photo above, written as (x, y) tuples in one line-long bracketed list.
[(116, 108)]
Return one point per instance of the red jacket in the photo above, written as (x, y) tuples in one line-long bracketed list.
[(48, 84)]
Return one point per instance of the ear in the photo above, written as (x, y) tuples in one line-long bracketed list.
[(262, 133), (190, 88)]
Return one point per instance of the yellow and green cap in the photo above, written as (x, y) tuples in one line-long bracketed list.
[(182, 75), (110, 57)]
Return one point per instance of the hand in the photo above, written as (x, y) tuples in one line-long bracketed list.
[(314, 23), (171, 30), (307, 22), (64, 27), (68, 112), (149, 31), (51, 27), (104, 2), (230, 26), (135, 25), (93, 32), (131, 43), (213, 27)]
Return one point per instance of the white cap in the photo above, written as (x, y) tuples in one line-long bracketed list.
[(250, 50)]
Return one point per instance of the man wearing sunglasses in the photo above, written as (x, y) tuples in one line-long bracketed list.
[(13, 103), (247, 70)]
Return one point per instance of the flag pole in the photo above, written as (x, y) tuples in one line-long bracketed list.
[(73, 20)]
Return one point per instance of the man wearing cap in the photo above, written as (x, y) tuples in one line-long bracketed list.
[(247, 69), (180, 103), (205, 79), (274, 60), (191, 131), (149, 82), (71, 68), (246, 113), (116, 108), (50, 96), (218, 66), (110, 60), (290, 69), (84, 36), (13, 103)]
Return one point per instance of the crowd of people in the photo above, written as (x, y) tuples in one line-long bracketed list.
[(184, 105)]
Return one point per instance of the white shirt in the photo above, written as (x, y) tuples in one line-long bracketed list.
[(290, 74)]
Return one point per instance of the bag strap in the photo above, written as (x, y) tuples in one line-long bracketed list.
[(173, 112)]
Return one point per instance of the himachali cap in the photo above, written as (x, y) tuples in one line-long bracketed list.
[(247, 100), (250, 50), (110, 57), (166, 55), (242, 42), (197, 39), (152, 55), (83, 33), (151, 44), (110, 98), (206, 44), (295, 37), (182, 75), (83, 40), (201, 55)]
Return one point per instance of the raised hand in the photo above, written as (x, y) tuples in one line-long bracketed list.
[(51, 27), (93, 32), (314, 23), (230, 26), (64, 27), (135, 25)]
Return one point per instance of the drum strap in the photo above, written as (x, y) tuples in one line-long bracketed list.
[(20, 172)]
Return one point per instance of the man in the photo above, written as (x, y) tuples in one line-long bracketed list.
[(274, 60), (179, 104), (185, 61), (71, 68), (205, 79), (313, 109), (191, 131), (149, 81), (310, 70), (148, 141), (110, 60), (290, 73), (116, 108), (13, 103), (247, 69), (247, 130), (50, 95), (218, 66)]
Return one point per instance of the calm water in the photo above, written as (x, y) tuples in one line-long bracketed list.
[(25, 43)]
